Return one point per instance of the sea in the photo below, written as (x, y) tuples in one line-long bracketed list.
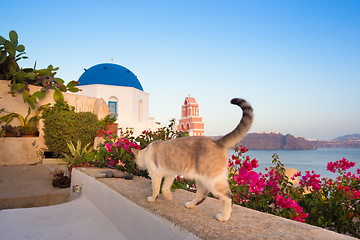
[(305, 160)]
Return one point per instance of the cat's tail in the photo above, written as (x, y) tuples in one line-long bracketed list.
[(242, 128)]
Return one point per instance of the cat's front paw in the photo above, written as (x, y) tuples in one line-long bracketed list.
[(220, 217), (151, 199), (190, 204)]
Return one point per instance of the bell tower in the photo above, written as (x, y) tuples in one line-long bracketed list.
[(190, 120)]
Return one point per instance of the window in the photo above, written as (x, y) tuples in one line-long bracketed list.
[(112, 104), (112, 108)]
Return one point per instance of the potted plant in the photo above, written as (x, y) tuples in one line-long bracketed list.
[(10, 131), (79, 156), (28, 130), (27, 124), (110, 125)]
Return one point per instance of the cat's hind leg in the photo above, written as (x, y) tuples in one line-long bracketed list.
[(155, 182), (201, 194), (168, 180), (222, 191)]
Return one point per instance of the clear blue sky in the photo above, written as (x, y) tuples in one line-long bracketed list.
[(296, 62)]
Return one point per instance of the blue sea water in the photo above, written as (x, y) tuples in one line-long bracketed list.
[(306, 160)]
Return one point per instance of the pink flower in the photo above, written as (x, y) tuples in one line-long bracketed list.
[(109, 147), (254, 163), (311, 180), (342, 164), (296, 175)]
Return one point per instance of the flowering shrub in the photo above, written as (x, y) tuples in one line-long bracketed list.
[(327, 203), (333, 204), (270, 192), (117, 152), (164, 133)]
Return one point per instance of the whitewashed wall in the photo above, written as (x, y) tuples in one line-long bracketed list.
[(127, 105)]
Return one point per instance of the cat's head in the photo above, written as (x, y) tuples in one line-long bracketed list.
[(139, 158)]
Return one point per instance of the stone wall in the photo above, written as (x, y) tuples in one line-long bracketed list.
[(20, 150)]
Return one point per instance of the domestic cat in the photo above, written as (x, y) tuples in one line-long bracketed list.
[(201, 158)]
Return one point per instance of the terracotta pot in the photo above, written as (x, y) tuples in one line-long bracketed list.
[(29, 133), (10, 134), (111, 127), (99, 133)]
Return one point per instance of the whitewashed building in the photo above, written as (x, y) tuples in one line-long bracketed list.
[(122, 91)]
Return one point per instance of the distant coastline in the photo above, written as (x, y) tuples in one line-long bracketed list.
[(278, 141)]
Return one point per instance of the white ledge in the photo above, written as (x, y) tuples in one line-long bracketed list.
[(113, 208)]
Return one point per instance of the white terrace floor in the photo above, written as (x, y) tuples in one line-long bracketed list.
[(112, 208)]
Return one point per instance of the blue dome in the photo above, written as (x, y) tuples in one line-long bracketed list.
[(110, 74)]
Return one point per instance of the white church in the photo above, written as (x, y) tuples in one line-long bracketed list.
[(122, 91)]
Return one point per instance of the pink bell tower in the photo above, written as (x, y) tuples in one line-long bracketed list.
[(190, 121)]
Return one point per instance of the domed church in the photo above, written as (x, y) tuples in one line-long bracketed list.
[(122, 91)]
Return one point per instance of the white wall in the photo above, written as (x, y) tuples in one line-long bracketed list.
[(127, 105)]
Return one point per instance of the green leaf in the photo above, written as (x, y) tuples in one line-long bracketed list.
[(59, 80), (39, 94), (2, 57), (2, 40), (25, 95), (20, 76), (71, 84), (58, 95), (44, 72), (10, 49), (50, 67), (73, 89), (31, 75), (90, 156), (319, 221), (33, 98), (20, 48), (19, 86), (26, 98), (13, 36), (62, 88)]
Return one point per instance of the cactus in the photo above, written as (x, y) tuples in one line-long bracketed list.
[(9, 55), (20, 78)]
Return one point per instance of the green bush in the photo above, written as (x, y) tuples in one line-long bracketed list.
[(62, 125)]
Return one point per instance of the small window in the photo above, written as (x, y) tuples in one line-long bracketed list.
[(112, 108)]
